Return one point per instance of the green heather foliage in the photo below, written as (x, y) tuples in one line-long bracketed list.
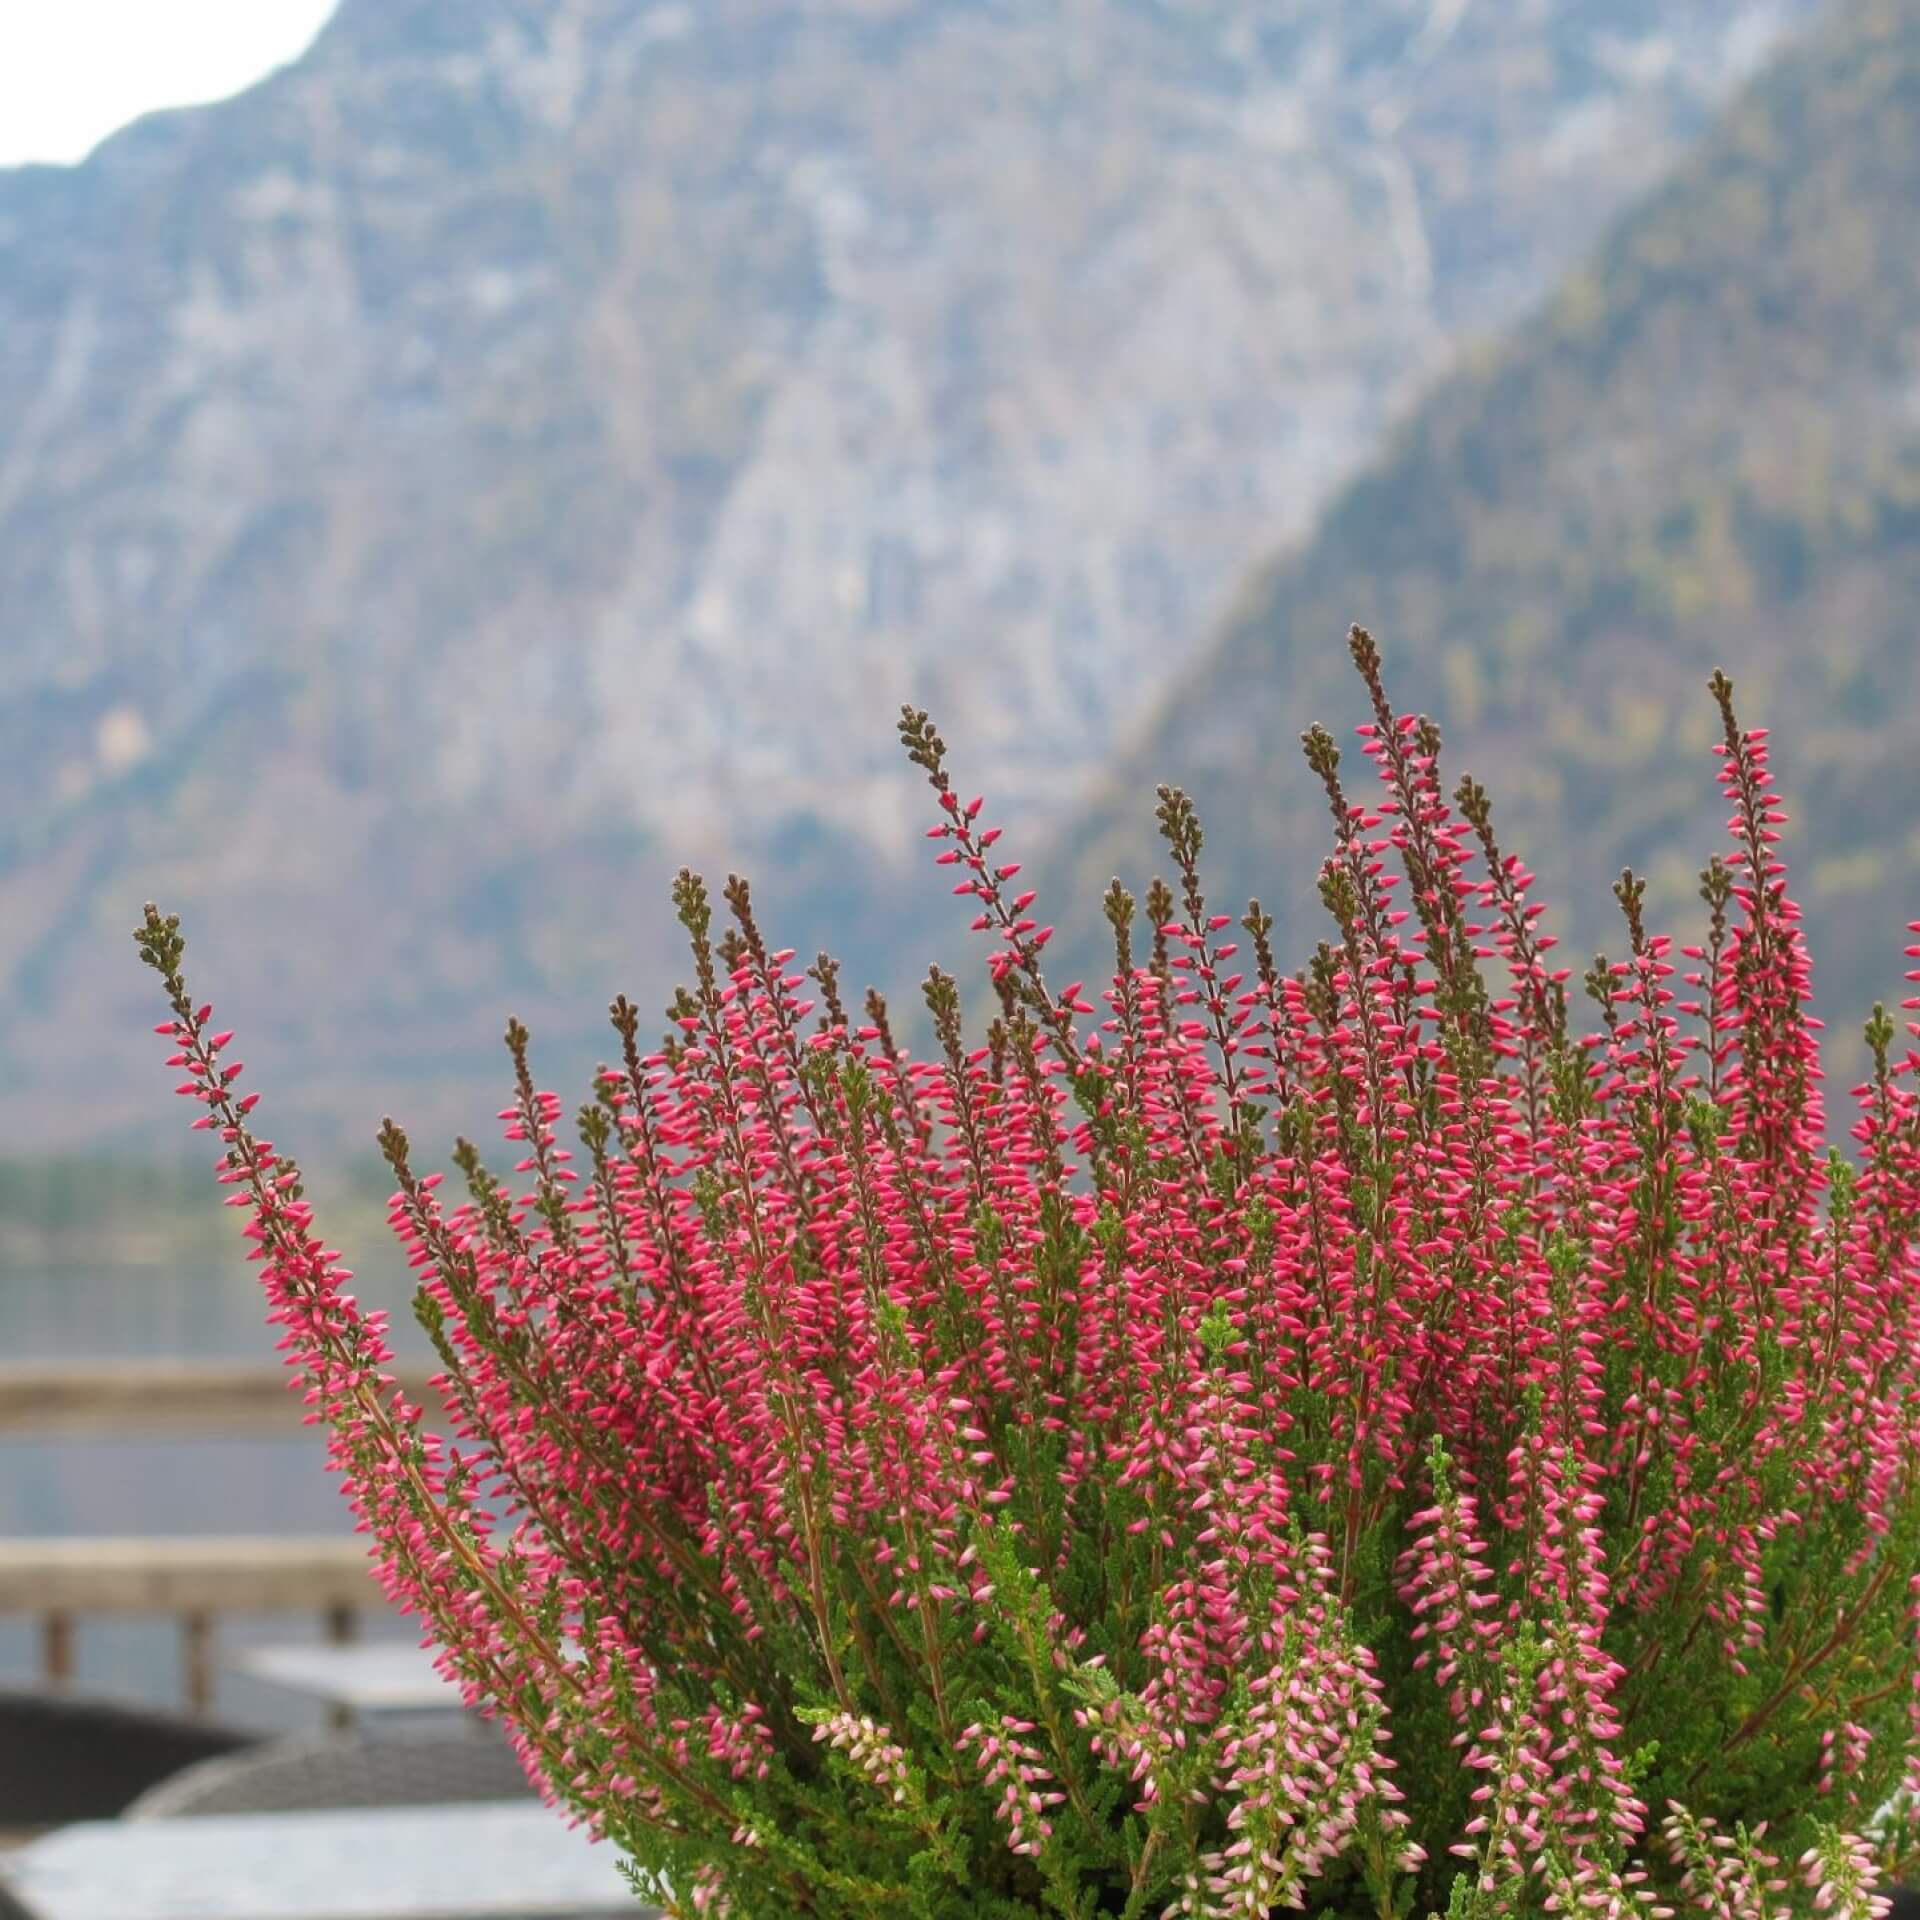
[(1419, 1433)]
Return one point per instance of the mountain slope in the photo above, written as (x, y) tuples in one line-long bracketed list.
[(1706, 450), (529, 442)]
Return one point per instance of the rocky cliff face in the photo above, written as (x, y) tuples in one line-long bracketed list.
[(530, 441)]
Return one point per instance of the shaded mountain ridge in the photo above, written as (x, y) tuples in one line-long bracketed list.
[(1704, 451)]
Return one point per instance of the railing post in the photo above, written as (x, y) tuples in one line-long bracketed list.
[(196, 1629), (56, 1647), (340, 1625)]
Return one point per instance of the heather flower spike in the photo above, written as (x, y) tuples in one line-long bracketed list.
[(1217, 1441)]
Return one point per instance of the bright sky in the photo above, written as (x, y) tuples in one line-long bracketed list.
[(71, 71)]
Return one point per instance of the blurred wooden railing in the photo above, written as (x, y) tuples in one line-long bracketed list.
[(194, 1578)]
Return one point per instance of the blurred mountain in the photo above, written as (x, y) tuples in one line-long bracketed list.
[(530, 442), (1705, 450)]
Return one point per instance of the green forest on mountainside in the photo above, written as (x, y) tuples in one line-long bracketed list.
[(1704, 451)]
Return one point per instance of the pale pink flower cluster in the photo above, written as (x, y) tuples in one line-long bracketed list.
[(1307, 1760), (1724, 1876), (1841, 1871), (874, 1753), (1009, 1761)]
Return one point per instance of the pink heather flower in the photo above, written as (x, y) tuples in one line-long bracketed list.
[(871, 1750), (1839, 1868), (1010, 1763), (1724, 1876)]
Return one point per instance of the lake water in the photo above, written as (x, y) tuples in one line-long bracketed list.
[(205, 1309)]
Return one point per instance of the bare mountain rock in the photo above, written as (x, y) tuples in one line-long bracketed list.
[(527, 442)]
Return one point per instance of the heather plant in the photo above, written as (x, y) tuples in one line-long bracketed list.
[(1361, 1438)]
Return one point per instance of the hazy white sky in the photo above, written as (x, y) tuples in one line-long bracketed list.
[(71, 71)]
